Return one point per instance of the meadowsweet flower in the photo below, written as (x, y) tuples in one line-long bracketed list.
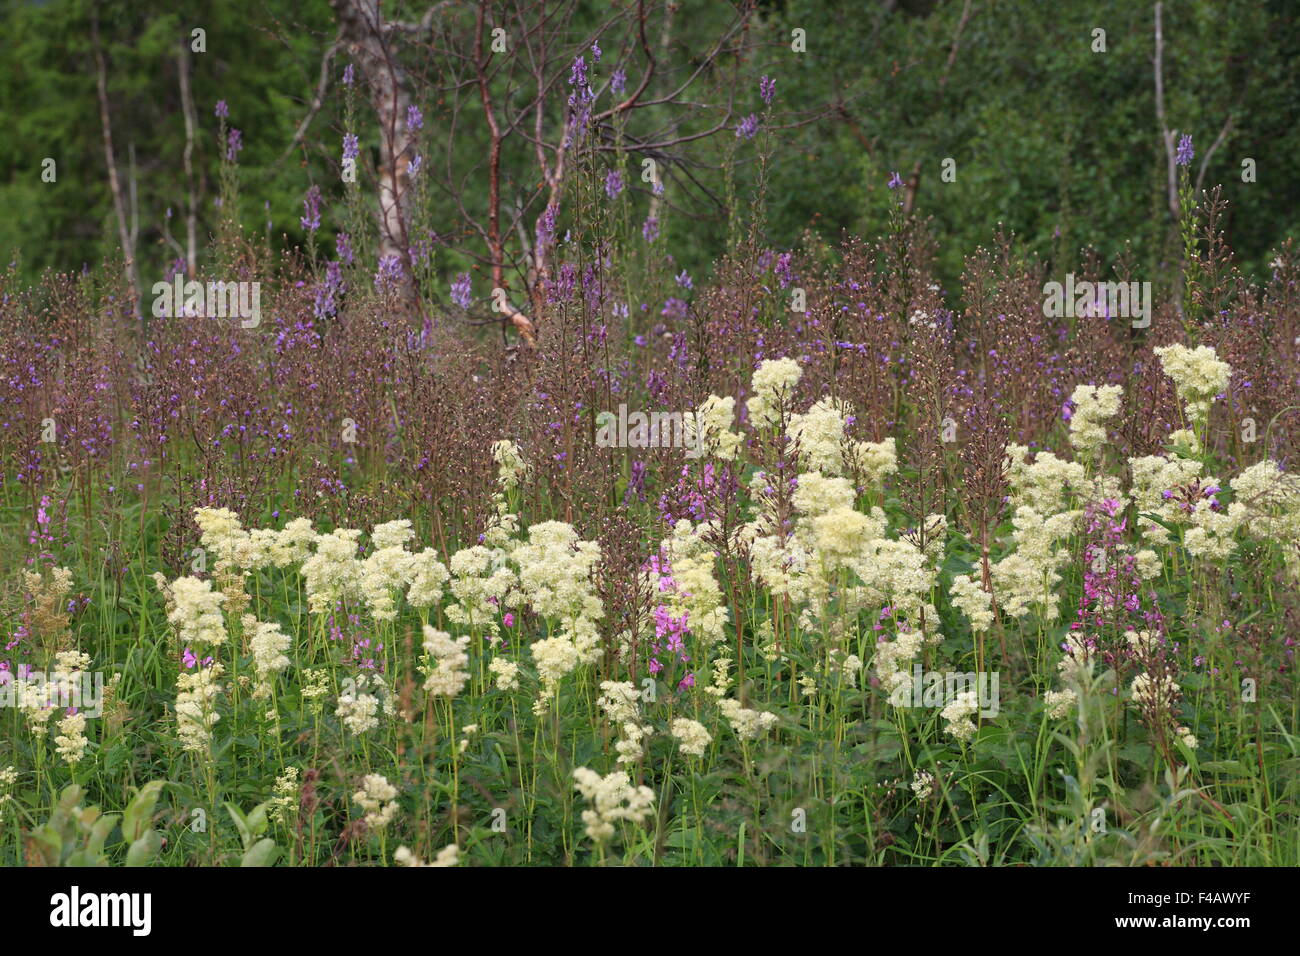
[(819, 435), (1149, 564), (333, 573), (8, 777), (773, 384), (923, 784), (1198, 374), (973, 601), (817, 494), (268, 645), (712, 423), (692, 591), (71, 741), (620, 700), (1093, 407), (196, 707), (1155, 478), (1153, 693), (392, 534), (378, 799), (447, 856), (448, 676), (691, 736), (611, 799), (293, 543), (958, 715), (746, 724), (511, 467), (506, 673), (285, 802), (1059, 703), (358, 710), (426, 577), (195, 611), (875, 461)]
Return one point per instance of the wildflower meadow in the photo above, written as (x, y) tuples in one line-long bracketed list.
[(594, 435)]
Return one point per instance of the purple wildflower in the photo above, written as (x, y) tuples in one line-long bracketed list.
[(389, 273), (460, 291), (311, 210), (613, 183)]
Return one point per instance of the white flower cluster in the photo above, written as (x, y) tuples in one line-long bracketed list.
[(694, 590), (746, 724), (973, 601), (378, 799), (713, 423), (194, 609), (359, 709), (1199, 376), (196, 707), (611, 798), (447, 856), (621, 703), (691, 735), (1093, 407), (447, 675), (71, 741), (957, 714), (268, 645), (772, 386)]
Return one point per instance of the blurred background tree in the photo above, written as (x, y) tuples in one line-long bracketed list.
[(1058, 143)]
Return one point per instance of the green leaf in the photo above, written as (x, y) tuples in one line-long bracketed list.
[(143, 850), (263, 853), (241, 824), (139, 812)]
